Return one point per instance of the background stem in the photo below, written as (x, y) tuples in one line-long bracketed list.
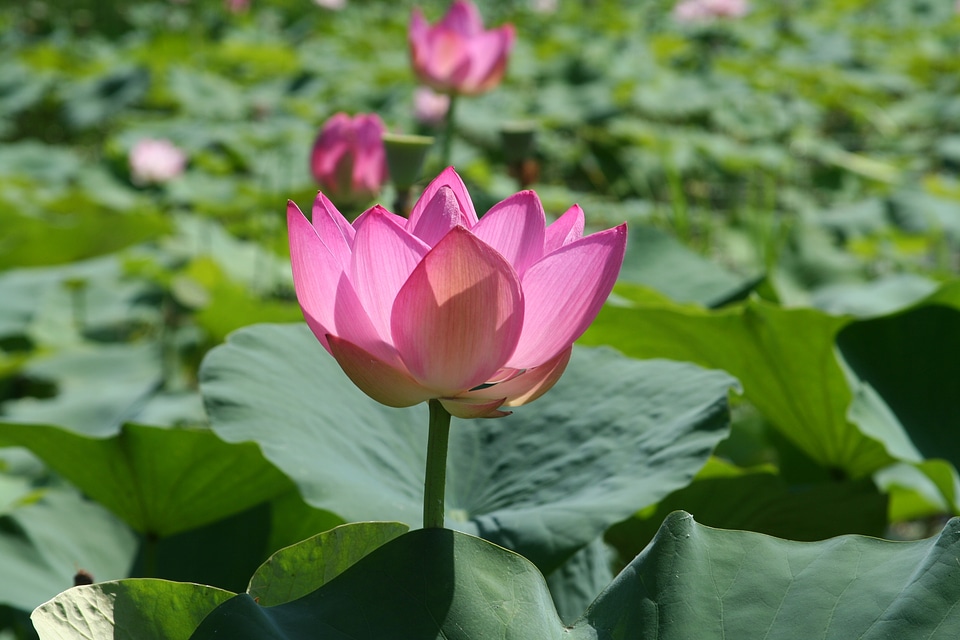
[(449, 133)]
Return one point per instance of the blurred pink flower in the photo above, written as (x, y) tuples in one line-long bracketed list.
[(348, 159), (334, 5), (237, 6), (430, 107), (706, 10), (478, 314), (155, 161), (544, 6), (456, 55)]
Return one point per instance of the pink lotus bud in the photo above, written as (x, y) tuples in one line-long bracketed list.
[(476, 313), (457, 55), (348, 159), (155, 161), (430, 107)]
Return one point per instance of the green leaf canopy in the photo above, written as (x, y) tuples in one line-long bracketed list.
[(613, 436)]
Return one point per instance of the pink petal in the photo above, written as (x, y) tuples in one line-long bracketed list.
[(333, 228), (463, 408), (526, 387), (462, 17), (564, 292), (331, 145), (449, 178), (316, 274), (564, 230), (458, 317), (446, 61), (398, 220), (515, 228), (370, 163), (488, 54), (384, 256), (329, 303), (384, 383), (441, 214)]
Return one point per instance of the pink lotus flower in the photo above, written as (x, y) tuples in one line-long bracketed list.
[(155, 161), (478, 314), (706, 10), (457, 55), (430, 107), (348, 159)]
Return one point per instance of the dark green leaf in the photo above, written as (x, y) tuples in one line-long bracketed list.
[(297, 570), (160, 481)]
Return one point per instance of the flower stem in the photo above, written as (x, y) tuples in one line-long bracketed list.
[(449, 132), (436, 475)]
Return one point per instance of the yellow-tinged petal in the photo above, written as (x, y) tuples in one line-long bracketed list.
[(384, 383)]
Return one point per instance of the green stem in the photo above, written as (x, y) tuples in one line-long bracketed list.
[(449, 132), (436, 475)]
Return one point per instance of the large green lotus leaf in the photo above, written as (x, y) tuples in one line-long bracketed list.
[(46, 535), (878, 297), (72, 229), (429, 583), (136, 609), (98, 387), (657, 259), (299, 569), (56, 305), (613, 436), (785, 359), (911, 360), (697, 582), (729, 497), (691, 582), (579, 580), (159, 481)]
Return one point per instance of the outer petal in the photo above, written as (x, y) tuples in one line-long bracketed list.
[(515, 228), (564, 230), (384, 383), (449, 178), (370, 165), (462, 17), (463, 408), (458, 317), (316, 274), (398, 220), (333, 229), (564, 292), (528, 386), (331, 145), (446, 62), (488, 54), (384, 256)]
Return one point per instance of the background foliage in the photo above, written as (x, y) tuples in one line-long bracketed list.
[(791, 185)]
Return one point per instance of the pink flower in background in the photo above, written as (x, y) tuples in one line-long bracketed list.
[(334, 5), (237, 6), (478, 314), (155, 161), (348, 159), (706, 10), (430, 107), (456, 55)]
